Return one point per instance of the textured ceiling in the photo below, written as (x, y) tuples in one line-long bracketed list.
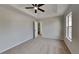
[(51, 10)]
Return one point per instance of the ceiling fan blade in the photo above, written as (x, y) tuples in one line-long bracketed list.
[(33, 5), (35, 11), (41, 10), (39, 5), (29, 7)]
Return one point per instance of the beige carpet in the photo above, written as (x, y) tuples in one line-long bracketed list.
[(40, 46)]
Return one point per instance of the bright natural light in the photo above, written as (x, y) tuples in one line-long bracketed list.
[(69, 26)]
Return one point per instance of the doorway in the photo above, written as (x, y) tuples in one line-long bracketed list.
[(40, 28), (37, 29)]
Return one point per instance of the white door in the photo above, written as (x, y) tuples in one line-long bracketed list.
[(35, 29)]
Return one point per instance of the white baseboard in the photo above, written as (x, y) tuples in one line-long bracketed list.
[(53, 38), (14, 45)]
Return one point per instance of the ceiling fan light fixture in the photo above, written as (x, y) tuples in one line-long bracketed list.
[(35, 8)]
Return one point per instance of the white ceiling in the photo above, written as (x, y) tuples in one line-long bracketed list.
[(51, 10)]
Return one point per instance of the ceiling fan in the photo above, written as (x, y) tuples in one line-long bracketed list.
[(36, 7)]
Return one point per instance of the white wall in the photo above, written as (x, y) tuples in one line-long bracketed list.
[(74, 45), (15, 27), (52, 27)]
